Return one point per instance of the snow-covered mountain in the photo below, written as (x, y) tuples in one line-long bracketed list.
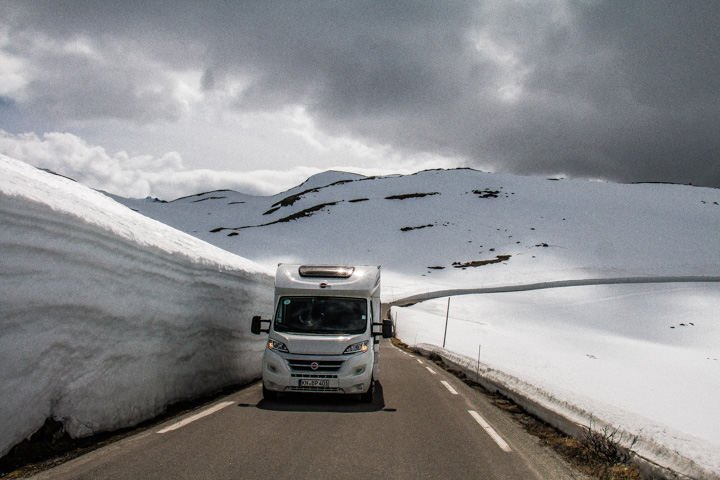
[(450, 228)]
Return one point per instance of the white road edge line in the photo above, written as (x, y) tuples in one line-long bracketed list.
[(431, 370), (449, 387), (197, 416), (493, 434)]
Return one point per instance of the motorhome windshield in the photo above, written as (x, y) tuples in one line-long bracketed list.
[(322, 315)]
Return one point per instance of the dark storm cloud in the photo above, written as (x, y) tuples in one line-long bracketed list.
[(628, 91)]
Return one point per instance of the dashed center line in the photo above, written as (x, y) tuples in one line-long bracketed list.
[(419, 361), (431, 370), (197, 416), (449, 387), (493, 434)]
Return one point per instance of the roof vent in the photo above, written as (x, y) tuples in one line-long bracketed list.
[(326, 271)]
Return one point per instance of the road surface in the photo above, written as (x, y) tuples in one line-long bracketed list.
[(423, 423)]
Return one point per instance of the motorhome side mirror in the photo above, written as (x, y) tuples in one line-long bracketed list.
[(387, 329), (256, 325)]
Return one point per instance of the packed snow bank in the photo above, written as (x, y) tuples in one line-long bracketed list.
[(643, 358), (106, 316)]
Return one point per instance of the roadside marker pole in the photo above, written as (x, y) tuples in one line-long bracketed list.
[(447, 317)]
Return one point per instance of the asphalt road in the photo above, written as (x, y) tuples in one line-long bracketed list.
[(423, 423)]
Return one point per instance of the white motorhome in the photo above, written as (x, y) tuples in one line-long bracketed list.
[(324, 334)]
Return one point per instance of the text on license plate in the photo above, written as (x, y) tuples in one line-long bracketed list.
[(313, 382)]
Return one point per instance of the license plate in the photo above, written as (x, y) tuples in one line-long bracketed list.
[(312, 382)]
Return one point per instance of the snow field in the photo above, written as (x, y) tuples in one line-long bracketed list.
[(640, 357), (552, 230)]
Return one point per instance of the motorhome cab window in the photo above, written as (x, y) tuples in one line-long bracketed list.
[(322, 315)]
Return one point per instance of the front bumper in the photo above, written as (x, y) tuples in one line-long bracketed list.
[(283, 372)]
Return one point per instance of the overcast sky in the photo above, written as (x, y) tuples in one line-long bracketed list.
[(171, 98)]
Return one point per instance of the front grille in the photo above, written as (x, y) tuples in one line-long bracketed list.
[(312, 375), (323, 366)]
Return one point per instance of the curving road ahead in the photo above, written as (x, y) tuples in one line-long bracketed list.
[(424, 423), (421, 297)]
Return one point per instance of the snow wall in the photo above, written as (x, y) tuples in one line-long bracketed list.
[(107, 317)]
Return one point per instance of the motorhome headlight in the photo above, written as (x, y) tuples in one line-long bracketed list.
[(360, 347), (277, 346)]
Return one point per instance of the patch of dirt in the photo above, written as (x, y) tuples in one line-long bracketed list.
[(272, 210), (302, 213), (207, 198), (480, 263), (407, 229), (201, 194), (487, 193), (410, 195), (289, 201)]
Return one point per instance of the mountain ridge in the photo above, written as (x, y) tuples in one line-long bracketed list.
[(442, 227)]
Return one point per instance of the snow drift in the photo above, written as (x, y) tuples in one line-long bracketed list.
[(106, 316)]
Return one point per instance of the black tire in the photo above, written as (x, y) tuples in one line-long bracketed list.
[(367, 397), (269, 394)]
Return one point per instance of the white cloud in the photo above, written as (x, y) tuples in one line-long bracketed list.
[(510, 72), (12, 67), (71, 156), (164, 176)]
